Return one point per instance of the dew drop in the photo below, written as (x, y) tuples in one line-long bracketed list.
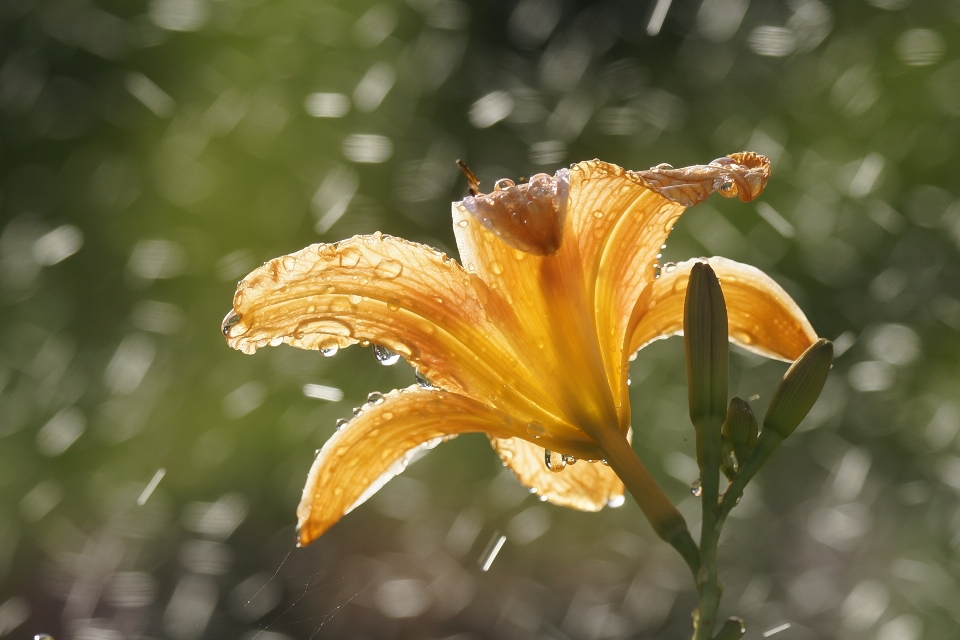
[(350, 257), (357, 411), (388, 269), (385, 356), (598, 214), (329, 289), (616, 501), (503, 183), (229, 322), (696, 488), (422, 380), (387, 416), (656, 270), (393, 304), (342, 424), (555, 462), (535, 429), (375, 397), (570, 460), (604, 462), (316, 453), (496, 267), (670, 267), (355, 299), (463, 224), (330, 350), (364, 343), (629, 381)]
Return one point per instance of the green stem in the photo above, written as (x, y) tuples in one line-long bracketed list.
[(708, 586), (667, 522)]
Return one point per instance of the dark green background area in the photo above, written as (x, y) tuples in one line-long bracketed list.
[(151, 154)]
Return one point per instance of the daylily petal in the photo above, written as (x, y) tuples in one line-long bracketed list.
[(585, 486), (620, 226), (398, 294), (539, 303), (377, 445), (762, 317)]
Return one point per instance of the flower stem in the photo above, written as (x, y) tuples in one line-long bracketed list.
[(667, 522)]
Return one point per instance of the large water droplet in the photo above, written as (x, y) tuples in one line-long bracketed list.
[(696, 488), (330, 349), (229, 322), (422, 380), (385, 356), (350, 257), (388, 269), (535, 429), (616, 501), (555, 462), (375, 397)]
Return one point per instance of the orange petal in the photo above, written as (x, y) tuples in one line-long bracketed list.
[(762, 316), (377, 445), (540, 304), (620, 226), (398, 294), (584, 486)]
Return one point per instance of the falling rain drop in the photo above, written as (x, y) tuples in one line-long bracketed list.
[(385, 356), (375, 397), (696, 488), (535, 429), (555, 462)]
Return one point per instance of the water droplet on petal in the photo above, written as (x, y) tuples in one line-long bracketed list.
[(696, 488), (393, 304), (670, 267), (350, 257), (570, 460), (342, 424), (656, 270), (388, 269), (535, 429), (503, 183), (375, 397), (229, 322), (463, 224), (384, 356), (496, 267), (422, 380), (598, 214), (357, 411), (316, 453), (330, 349), (355, 299), (555, 462), (616, 501)]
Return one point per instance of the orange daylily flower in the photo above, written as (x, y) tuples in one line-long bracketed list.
[(526, 339)]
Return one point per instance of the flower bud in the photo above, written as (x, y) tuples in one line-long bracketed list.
[(799, 389), (705, 340), (740, 428)]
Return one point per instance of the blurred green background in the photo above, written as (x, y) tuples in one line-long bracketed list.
[(152, 153)]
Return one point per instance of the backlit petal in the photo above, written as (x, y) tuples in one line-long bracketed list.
[(398, 294), (540, 304), (620, 226), (584, 486), (377, 445), (762, 316)]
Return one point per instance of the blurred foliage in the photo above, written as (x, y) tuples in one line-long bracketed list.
[(152, 153)]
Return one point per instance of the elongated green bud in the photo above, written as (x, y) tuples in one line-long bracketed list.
[(799, 389), (732, 629), (705, 340), (740, 428)]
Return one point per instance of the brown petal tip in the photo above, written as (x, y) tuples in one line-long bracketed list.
[(529, 216), (742, 175)]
